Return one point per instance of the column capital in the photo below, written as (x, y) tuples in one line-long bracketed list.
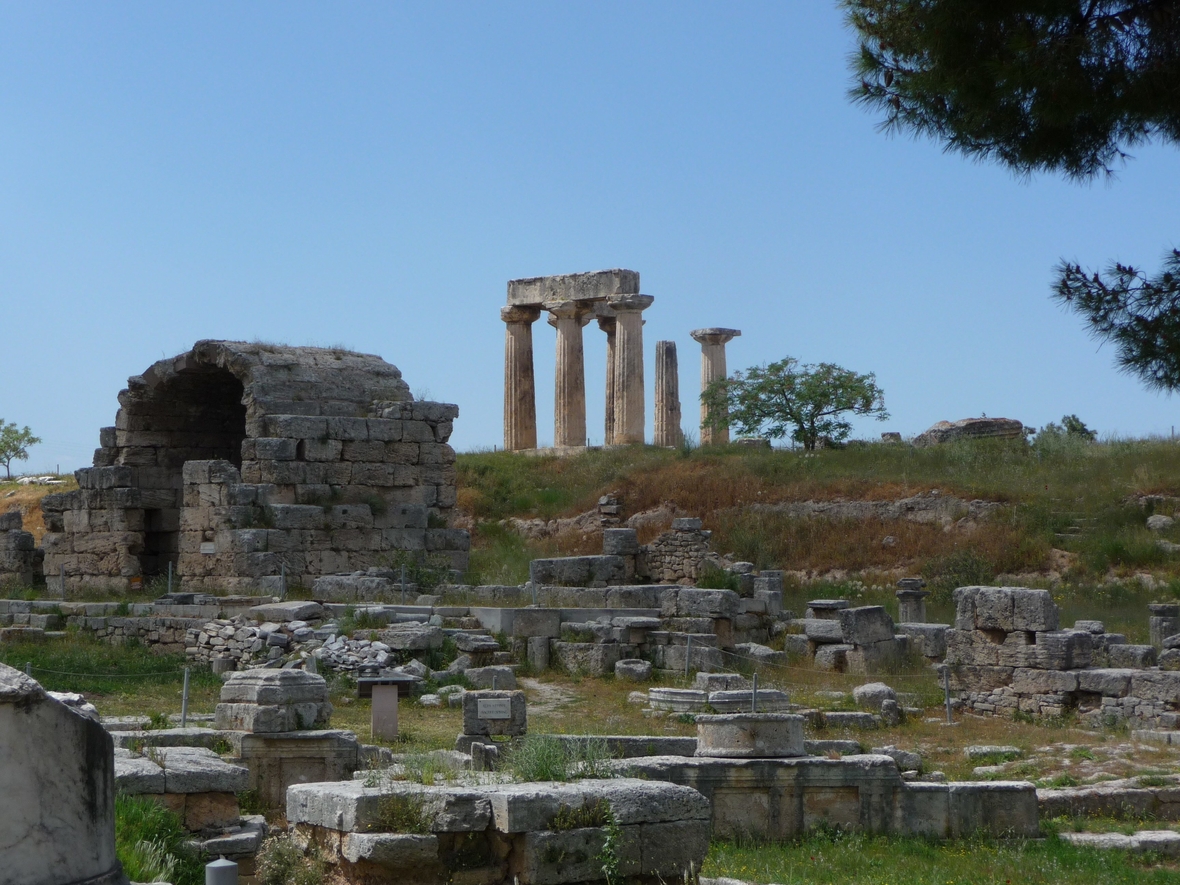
[(629, 302), (714, 335), (570, 309), (514, 314)]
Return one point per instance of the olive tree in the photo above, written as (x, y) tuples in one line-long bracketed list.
[(805, 401)]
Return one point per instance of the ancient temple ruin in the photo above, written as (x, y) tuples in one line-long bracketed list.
[(238, 465)]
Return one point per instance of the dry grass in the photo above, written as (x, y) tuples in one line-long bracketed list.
[(28, 499)]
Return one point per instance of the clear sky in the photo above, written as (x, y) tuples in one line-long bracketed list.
[(371, 175)]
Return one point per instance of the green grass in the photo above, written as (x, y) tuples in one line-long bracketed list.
[(149, 842), (877, 860), (85, 665)]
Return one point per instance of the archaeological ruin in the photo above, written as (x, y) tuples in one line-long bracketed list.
[(240, 466)]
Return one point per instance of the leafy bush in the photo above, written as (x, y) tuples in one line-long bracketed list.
[(150, 843)]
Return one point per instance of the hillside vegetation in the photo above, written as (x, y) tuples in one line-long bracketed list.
[(1072, 514)]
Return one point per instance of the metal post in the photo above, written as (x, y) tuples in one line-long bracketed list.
[(403, 583), (221, 872), (493, 682), (946, 687), (170, 577), (184, 702), (687, 655), (28, 668), (282, 580), (754, 696), (63, 582)]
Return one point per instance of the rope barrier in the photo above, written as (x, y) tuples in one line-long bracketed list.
[(177, 673)]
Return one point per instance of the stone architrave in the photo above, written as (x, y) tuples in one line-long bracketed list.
[(713, 341), (667, 424), (520, 399), (607, 321), (569, 387), (629, 393)]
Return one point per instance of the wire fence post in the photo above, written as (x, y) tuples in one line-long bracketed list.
[(946, 687), (754, 695), (687, 655), (28, 668), (63, 581), (170, 577), (184, 701), (403, 583), (282, 580)]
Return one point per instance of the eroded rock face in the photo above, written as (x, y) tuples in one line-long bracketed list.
[(57, 780)]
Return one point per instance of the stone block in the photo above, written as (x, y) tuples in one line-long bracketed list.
[(928, 640), (832, 658), (537, 622), (1064, 650), (58, 781), (198, 770), (677, 700), (866, 625), (282, 612), (822, 630), (998, 808), (1156, 685), (620, 542), (871, 695), (994, 609), (965, 607), (1106, 682), (549, 858), (1132, 656), (585, 658), (400, 852), (272, 718), (484, 677), (1033, 610), (413, 637), (208, 810), (694, 603), (633, 670), (515, 722), (1029, 681), (275, 687), (538, 652)]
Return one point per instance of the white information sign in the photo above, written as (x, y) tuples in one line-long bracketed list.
[(208, 547), (494, 708)]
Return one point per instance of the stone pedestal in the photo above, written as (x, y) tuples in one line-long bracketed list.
[(713, 343), (520, 399), (628, 362), (667, 424), (750, 736), (276, 761), (911, 605), (569, 387)]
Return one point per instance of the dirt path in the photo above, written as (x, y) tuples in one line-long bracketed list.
[(547, 698)]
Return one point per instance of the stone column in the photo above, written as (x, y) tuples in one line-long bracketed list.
[(628, 404), (520, 398), (569, 387), (911, 601), (667, 430), (607, 324), (713, 343)]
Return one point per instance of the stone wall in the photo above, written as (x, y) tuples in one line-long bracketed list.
[(20, 560), (236, 460), (1007, 656)]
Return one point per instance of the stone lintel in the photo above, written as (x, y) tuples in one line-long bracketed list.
[(592, 286)]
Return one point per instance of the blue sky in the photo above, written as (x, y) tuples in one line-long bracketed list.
[(371, 175)]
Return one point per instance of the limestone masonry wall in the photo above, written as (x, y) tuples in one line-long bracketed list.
[(235, 461)]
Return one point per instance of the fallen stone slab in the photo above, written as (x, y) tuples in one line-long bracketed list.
[(281, 612)]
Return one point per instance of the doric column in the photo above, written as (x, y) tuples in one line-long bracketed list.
[(520, 397), (667, 429), (628, 405), (713, 343), (607, 324), (569, 387)]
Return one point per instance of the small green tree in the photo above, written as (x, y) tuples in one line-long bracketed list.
[(804, 400), (14, 444)]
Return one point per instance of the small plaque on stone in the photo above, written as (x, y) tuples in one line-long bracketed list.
[(208, 547), (494, 708)]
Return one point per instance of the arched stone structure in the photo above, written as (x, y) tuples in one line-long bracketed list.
[(235, 460)]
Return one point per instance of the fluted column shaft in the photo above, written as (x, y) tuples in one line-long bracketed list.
[(607, 324), (713, 343), (628, 386), (569, 387), (520, 397), (667, 420)]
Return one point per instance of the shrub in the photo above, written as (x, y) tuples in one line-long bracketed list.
[(961, 568), (713, 578)]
